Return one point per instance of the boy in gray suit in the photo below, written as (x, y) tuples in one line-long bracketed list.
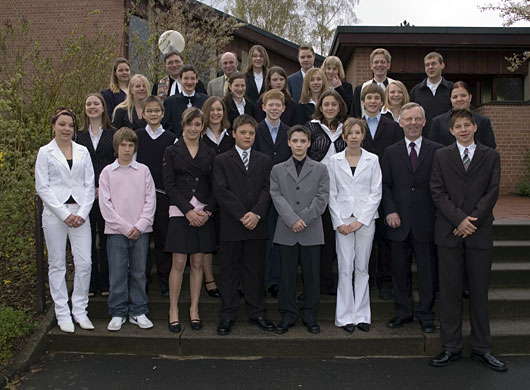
[(299, 188)]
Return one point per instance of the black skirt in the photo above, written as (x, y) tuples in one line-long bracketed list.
[(183, 238)]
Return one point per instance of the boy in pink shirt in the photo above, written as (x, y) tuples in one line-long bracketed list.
[(127, 202)]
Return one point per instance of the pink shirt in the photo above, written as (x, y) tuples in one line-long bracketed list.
[(127, 198)]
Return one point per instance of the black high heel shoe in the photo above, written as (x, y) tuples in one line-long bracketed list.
[(174, 326), (196, 324), (214, 292)]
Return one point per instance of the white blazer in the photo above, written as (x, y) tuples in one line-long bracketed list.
[(358, 195), (55, 181)]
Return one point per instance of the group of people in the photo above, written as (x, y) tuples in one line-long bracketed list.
[(275, 171)]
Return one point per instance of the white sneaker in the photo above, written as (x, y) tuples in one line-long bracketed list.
[(85, 324), (115, 324), (142, 321), (67, 327)]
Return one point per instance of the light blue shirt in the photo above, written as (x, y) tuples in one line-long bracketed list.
[(373, 123), (273, 129)]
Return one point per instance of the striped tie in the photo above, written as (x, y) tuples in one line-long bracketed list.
[(466, 160), (244, 157)]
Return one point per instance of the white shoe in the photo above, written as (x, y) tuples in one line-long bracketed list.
[(115, 324), (67, 327), (86, 324), (142, 321)]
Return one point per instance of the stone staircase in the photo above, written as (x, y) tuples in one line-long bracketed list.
[(509, 305)]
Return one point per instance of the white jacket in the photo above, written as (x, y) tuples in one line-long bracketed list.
[(357, 195), (55, 181)]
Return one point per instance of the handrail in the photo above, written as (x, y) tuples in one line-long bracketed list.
[(39, 256)]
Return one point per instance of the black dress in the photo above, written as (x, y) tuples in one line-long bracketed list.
[(113, 99), (121, 119), (186, 177)]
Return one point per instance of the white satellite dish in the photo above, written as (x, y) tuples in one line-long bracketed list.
[(170, 41)]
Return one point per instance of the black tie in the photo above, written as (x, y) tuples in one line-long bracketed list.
[(413, 156)]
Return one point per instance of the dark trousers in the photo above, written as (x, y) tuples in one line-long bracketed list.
[(242, 261), (327, 255), (162, 258), (99, 277), (454, 263), (309, 258), (424, 253), (272, 258), (380, 267)]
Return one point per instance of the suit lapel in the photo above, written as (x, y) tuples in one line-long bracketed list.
[(307, 168), (404, 153), (380, 128), (345, 166), (424, 150), (291, 169), (56, 152), (477, 158), (236, 158), (457, 159), (361, 165), (282, 134)]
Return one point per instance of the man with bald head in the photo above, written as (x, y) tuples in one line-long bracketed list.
[(219, 85)]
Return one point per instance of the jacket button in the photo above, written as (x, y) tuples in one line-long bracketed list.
[(196, 179), (412, 189), (274, 153), (193, 190), (297, 202), (297, 188)]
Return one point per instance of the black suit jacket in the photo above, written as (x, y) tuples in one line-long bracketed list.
[(440, 132), (458, 193), (278, 151), (174, 106), (408, 192), (239, 191), (252, 94), (121, 119), (388, 132), (103, 155), (346, 92), (433, 105), (232, 113)]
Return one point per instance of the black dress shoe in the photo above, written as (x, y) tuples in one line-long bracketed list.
[(196, 324), (274, 289), (263, 323), (386, 294), (174, 327), (224, 327), (282, 327), (312, 327), (348, 328), (445, 358), (363, 326), (427, 326), (490, 361), (398, 322)]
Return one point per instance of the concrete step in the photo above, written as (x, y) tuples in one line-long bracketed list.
[(511, 250), (511, 230), (246, 340)]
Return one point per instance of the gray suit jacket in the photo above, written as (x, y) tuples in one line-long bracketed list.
[(299, 197), (215, 87)]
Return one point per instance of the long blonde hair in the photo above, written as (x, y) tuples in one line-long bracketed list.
[(128, 103), (306, 91), (401, 86)]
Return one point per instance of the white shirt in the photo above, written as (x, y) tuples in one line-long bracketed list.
[(303, 73), (176, 87), (258, 79), (95, 138), (240, 151), (417, 145), (433, 87), (154, 134), (470, 150), (193, 94), (210, 134), (240, 106)]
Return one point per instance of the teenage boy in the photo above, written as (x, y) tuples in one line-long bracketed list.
[(382, 133), (306, 59), (300, 191), (152, 143), (434, 92), (271, 139), (380, 65), (127, 202), (241, 185), (175, 105), (465, 186)]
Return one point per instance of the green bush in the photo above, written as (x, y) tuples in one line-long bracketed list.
[(13, 325), (524, 182)]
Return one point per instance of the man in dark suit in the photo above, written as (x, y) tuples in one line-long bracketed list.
[(175, 105), (465, 187), (241, 180), (409, 214), (306, 58), (382, 133)]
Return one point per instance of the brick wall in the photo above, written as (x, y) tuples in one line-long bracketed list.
[(358, 70), (511, 124)]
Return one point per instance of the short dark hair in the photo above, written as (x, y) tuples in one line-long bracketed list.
[(172, 53), (459, 114), (124, 134), (190, 114), (243, 120), (152, 99), (306, 46), (187, 68), (299, 129)]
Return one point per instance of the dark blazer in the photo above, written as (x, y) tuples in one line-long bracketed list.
[(278, 151), (288, 116), (440, 132), (232, 113), (239, 191), (104, 153), (121, 119), (186, 177), (174, 106), (112, 99), (458, 193), (346, 92), (433, 105), (294, 84), (304, 113), (388, 132), (408, 192), (225, 145), (252, 94)]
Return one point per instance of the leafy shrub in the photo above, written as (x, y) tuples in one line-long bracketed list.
[(524, 182), (13, 325)]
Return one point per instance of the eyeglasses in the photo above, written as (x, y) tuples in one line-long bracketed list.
[(410, 120), (153, 111)]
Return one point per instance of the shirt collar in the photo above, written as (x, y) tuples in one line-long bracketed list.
[(133, 164), (471, 148), (240, 151), (431, 85), (417, 143), (258, 75), (271, 126), (375, 118), (158, 131)]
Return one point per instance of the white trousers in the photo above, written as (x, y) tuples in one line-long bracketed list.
[(353, 254), (55, 233)]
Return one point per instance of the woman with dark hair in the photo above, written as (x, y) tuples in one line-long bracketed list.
[(235, 101), (277, 79), (129, 113), (257, 66), (187, 174), (119, 85), (64, 179), (334, 71), (96, 135), (314, 85), (326, 140), (461, 100)]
